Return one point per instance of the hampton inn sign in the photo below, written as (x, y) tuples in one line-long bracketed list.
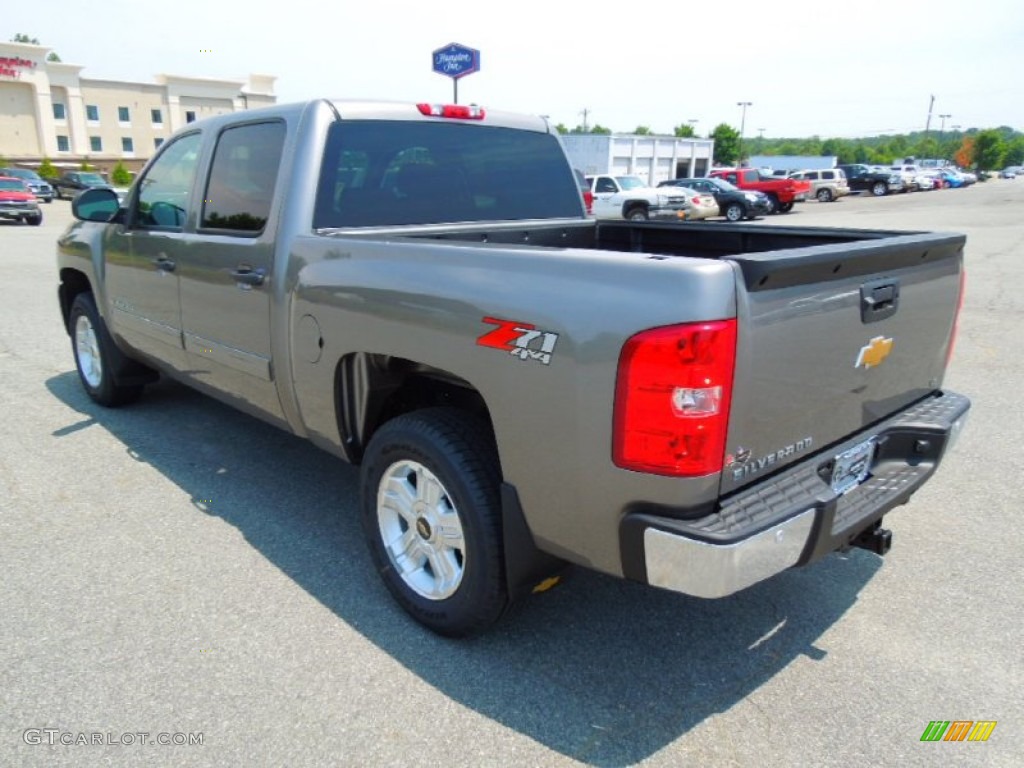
[(11, 67)]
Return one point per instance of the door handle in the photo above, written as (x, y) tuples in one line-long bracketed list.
[(164, 264), (249, 276)]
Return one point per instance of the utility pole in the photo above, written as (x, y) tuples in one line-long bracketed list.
[(585, 112), (928, 123), (743, 122)]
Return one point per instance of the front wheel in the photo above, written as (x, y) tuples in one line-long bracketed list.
[(94, 354), (34, 221), (773, 204), (431, 513), (638, 213), (735, 212)]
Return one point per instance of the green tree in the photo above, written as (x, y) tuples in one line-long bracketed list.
[(20, 38), (1015, 151), (727, 144), (53, 56), (598, 128), (642, 130), (989, 150), (561, 128), (927, 147), (684, 131), (47, 170), (120, 175)]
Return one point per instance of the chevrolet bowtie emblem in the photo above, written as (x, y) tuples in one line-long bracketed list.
[(874, 352)]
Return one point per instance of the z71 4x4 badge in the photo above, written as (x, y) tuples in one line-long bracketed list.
[(521, 340)]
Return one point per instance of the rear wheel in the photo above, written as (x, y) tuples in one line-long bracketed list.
[(735, 212), (431, 513), (94, 354), (879, 189), (824, 195), (785, 207)]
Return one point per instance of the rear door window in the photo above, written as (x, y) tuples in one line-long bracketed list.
[(240, 188)]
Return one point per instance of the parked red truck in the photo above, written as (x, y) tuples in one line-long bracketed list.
[(782, 193)]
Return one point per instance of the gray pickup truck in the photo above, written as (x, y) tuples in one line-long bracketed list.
[(418, 290)]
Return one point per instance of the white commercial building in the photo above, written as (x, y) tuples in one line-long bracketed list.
[(47, 109), (652, 158)]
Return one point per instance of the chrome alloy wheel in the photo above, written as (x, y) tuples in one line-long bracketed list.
[(421, 530), (87, 350)]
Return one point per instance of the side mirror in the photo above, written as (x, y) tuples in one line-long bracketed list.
[(96, 204)]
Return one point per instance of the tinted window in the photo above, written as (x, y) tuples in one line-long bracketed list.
[(96, 143), (92, 112), (827, 175), (164, 190), (242, 178), (123, 115), (605, 184), (381, 173)]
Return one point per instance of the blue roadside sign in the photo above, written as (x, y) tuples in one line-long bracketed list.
[(455, 61)]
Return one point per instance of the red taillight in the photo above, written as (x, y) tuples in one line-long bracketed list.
[(457, 111), (588, 200), (956, 317), (672, 399)]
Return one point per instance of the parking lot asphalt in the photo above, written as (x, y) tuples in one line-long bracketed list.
[(178, 569)]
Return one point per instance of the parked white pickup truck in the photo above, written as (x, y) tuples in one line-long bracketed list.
[(628, 197)]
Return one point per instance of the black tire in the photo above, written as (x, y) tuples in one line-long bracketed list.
[(734, 212), (637, 213), (94, 353), (879, 189), (785, 207), (773, 204), (824, 195), (453, 453), (35, 221)]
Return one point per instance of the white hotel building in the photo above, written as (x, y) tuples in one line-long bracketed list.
[(47, 109)]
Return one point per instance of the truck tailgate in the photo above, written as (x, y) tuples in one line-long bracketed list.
[(833, 339)]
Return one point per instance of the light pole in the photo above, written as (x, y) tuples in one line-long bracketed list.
[(942, 125), (743, 122), (693, 124)]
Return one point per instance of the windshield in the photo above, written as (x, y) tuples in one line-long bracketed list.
[(91, 178), (12, 185), (630, 182), (724, 185)]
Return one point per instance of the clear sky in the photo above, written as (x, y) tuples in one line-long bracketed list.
[(808, 67)]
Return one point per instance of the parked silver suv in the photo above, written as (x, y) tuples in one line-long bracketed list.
[(826, 185)]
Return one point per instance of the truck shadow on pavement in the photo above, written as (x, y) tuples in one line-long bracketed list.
[(600, 670)]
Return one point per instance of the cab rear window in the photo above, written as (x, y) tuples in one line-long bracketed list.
[(385, 173)]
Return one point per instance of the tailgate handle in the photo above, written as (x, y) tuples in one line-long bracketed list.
[(879, 299)]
